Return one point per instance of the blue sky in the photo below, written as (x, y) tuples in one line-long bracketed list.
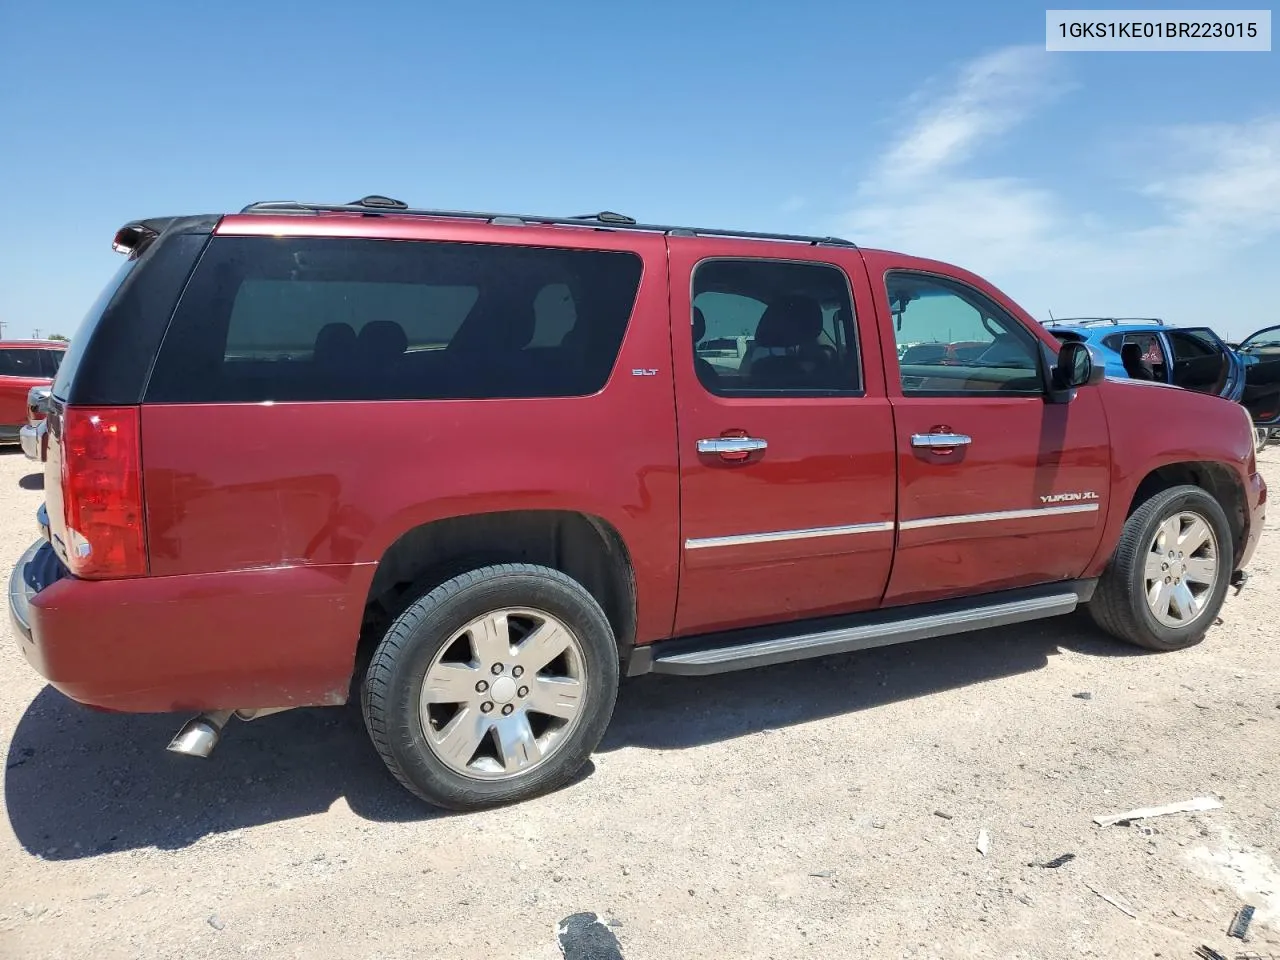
[(1079, 183)]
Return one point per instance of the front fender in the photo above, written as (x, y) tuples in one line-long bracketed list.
[(1155, 426)]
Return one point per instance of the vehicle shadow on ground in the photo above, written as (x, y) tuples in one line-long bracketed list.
[(81, 783), (32, 481), (671, 713)]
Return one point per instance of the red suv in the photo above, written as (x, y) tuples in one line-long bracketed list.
[(476, 468), (24, 364)]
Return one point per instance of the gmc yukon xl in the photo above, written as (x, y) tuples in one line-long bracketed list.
[(475, 468)]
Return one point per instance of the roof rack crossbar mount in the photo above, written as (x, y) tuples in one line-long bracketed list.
[(604, 221)]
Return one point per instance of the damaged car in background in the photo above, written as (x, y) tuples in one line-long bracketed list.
[(1260, 354), (1195, 358)]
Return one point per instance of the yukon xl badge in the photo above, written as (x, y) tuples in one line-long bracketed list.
[(1069, 497)]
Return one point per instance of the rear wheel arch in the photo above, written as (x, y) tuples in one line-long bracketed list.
[(582, 546)]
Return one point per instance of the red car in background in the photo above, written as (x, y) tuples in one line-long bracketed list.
[(24, 364)]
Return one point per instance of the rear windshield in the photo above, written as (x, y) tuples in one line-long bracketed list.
[(314, 319), (31, 362), (70, 358)]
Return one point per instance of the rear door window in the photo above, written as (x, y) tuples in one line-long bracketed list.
[(769, 327), (1191, 344), (1199, 360), (336, 319)]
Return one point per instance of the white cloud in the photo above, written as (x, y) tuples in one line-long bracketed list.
[(1236, 187), (1211, 196), (994, 93)]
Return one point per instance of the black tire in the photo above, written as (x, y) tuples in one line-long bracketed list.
[(393, 683), (1119, 605)]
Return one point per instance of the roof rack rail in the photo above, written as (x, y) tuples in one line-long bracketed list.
[(1114, 321), (375, 205)]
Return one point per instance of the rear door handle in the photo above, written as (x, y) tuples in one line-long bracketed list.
[(732, 448), (940, 441)]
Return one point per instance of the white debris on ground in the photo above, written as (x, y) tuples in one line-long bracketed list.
[(1250, 872)]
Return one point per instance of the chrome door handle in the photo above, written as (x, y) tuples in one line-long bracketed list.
[(935, 441), (723, 445)]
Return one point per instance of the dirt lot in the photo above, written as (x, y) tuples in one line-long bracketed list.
[(788, 812)]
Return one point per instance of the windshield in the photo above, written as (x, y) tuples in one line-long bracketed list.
[(67, 368)]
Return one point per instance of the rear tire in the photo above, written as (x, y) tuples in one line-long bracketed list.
[(494, 687), (1169, 574)]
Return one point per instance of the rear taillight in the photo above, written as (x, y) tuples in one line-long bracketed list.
[(102, 492)]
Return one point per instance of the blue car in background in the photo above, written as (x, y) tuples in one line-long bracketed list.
[(1143, 348)]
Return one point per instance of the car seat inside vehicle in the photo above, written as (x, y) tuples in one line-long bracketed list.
[(1134, 364)]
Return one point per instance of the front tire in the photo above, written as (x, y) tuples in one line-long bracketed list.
[(494, 687), (1169, 574)]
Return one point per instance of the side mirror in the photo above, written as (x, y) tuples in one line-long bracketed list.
[(1079, 365)]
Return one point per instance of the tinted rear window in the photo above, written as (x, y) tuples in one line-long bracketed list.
[(50, 361), (335, 319), (21, 363)]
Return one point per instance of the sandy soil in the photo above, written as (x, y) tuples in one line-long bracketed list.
[(787, 812)]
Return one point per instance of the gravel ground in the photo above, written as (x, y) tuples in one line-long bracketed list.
[(823, 809)]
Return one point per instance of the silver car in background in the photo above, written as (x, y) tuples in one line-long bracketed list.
[(32, 436)]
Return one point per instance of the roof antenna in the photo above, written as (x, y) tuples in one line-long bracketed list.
[(1051, 320)]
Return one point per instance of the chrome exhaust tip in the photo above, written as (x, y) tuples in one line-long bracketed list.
[(200, 734)]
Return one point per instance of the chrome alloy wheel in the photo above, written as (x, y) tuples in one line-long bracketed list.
[(1181, 569), (503, 693)]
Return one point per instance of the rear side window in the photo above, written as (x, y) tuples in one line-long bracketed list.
[(335, 319), (75, 351)]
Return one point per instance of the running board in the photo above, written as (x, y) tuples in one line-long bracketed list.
[(762, 646)]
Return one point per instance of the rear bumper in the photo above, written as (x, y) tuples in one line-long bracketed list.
[(1256, 505), (32, 438), (280, 637), (34, 570)]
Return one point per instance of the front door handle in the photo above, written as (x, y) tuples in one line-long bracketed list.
[(940, 441), (732, 448)]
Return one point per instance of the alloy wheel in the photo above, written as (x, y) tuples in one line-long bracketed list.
[(1182, 566), (503, 693)]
